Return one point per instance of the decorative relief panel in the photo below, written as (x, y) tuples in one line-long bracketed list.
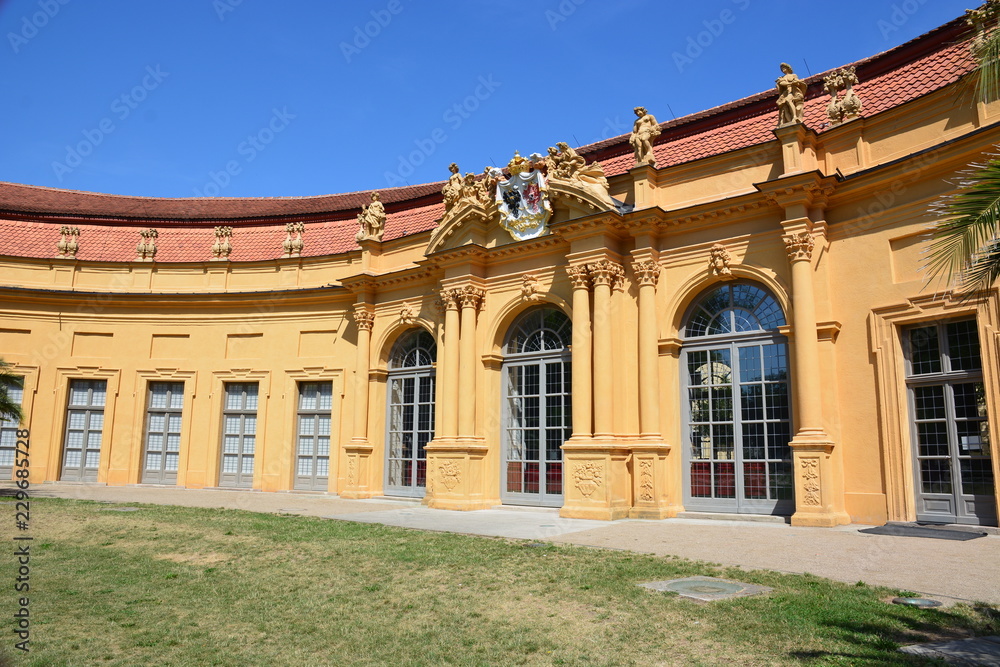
[(588, 477), (810, 476)]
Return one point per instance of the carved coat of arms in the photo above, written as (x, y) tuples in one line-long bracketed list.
[(523, 200)]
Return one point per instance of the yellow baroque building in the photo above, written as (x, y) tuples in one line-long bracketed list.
[(722, 313)]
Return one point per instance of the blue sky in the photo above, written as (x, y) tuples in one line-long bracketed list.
[(257, 98)]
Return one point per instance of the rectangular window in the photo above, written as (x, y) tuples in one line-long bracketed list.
[(84, 430), (950, 433), (239, 435), (163, 432), (8, 435), (312, 460)]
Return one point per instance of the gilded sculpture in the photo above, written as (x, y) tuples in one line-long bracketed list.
[(371, 220), (791, 96), (644, 130)]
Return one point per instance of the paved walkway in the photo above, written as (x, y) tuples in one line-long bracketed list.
[(944, 569)]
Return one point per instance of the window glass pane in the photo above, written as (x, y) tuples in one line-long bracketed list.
[(158, 395), (925, 353), (100, 394), (928, 402), (251, 390), (963, 346)]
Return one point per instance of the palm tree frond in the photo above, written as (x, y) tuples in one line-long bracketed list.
[(8, 408)]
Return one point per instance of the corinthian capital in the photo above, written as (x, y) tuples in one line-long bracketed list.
[(606, 272), (578, 275), (470, 297), (364, 318), (646, 272), (799, 246), (449, 299)]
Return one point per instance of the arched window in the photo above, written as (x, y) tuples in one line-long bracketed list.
[(410, 408), (738, 407), (537, 395)]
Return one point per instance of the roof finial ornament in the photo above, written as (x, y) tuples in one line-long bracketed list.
[(791, 97), (67, 245), (146, 250), (842, 109), (644, 130)]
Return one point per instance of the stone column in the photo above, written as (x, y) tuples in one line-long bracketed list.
[(816, 499), (581, 361), (604, 274), (596, 482), (451, 362), (650, 470), (647, 273), (358, 451), (364, 318), (470, 298)]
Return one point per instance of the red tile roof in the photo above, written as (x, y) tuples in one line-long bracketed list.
[(110, 224)]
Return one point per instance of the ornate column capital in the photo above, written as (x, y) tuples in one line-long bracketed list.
[(364, 318), (646, 272), (578, 275), (471, 297), (448, 299), (799, 246), (606, 272)]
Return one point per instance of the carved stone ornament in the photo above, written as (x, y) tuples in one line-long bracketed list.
[(523, 200), (791, 97), (799, 246), (810, 476), (365, 319), (352, 471), (529, 287), (646, 480), (588, 477), (719, 261), (67, 245), (293, 242), (146, 250), (564, 163), (646, 273), (579, 275), (470, 297), (606, 272), (406, 314), (982, 19), (449, 299), (450, 474), (644, 130), (371, 220), (842, 109), (222, 247)]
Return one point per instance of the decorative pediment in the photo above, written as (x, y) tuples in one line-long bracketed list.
[(501, 207)]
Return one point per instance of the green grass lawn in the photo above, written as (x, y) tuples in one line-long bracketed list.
[(182, 586)]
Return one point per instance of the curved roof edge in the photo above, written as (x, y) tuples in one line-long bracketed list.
[(714, 131)]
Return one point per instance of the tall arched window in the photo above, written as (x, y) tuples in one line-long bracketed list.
[(537, 419), (738, 409), (410, 419)]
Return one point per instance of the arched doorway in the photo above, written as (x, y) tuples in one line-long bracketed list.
[(737, 408), (410, 413), (537, 403)]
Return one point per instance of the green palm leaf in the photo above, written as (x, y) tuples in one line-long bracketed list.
[(965, 242), (8, 408)]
